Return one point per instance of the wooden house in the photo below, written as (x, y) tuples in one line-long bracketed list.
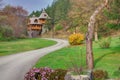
[(35, 24)]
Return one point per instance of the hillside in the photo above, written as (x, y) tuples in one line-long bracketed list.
[(69, 16)]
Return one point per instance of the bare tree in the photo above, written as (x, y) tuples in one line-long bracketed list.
[(16, 18), (89, 35)]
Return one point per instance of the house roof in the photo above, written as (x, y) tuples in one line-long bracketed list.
[(35, 20), (44, 15)]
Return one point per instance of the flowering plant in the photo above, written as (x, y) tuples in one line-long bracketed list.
[(38, 74), (76, 39), (45, 74)]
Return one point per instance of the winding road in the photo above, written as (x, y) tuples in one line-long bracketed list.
[(14, 67)]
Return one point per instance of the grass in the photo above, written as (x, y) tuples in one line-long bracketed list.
[(21, 45), (105, 59)]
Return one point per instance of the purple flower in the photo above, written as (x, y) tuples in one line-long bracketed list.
[(36, 70)]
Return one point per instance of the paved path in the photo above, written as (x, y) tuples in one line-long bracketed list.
[(14, 67)]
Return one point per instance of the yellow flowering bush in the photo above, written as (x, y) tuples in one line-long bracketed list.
[(76, 39)]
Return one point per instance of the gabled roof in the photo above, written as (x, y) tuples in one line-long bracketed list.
[(44, 15), (34, 20)]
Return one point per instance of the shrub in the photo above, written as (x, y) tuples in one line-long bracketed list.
[(113, 26), (58, 74), (58, 27), (100, 74), (6, 33), (76, 39), (45, 74), (38, 74), (105, 43), (22, 36)]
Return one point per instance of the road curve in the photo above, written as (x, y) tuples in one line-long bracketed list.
[(14, 67)]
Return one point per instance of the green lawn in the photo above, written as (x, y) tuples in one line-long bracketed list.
[(105, 59), (21, 45)]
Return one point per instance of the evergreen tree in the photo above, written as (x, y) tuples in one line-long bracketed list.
[(36, 13), (33, 13), (58, 11)]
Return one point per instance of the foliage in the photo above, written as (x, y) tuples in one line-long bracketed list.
[(104, 31), (6, 33), (58, 74), (45, 74), (36, 13), (113, 14), (39, 74), (80, 12), (23, 36), (113, 26), (58, 27), (15, 10), (76, 39), (16, 18), (76, 13), (99, 74), (105, 43), (58, 11)]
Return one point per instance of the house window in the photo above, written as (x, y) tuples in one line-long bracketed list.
[(45, 15), (36, 21)]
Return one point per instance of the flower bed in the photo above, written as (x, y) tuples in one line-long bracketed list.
[(45, 74)]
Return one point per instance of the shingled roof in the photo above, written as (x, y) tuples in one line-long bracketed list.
[(44, 15), (35, 20)]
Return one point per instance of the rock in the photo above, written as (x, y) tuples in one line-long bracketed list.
[(80, 77), (69, 76)]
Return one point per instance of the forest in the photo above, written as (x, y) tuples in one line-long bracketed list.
[(73, 16), (67, 16)]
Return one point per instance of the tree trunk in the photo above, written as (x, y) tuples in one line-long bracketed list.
[(89, 36), (96, 36), (96, 33), (89, 54), (53, 30)]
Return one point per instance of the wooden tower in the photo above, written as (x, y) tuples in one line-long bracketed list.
[(35, 24)]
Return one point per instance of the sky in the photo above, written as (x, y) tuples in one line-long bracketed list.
[(29, 5)]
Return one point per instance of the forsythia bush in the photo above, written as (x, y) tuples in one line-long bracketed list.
[(76, 39)]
